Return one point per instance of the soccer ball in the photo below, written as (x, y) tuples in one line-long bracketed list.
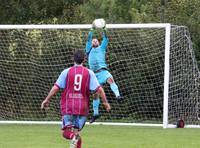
[(99, 23)]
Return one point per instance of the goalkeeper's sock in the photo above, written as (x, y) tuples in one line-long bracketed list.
[(68, 134), (96, 103), (115, 89)]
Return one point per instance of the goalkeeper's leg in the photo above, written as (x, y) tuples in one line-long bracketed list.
[(96, 103), (105, 76), (114, 87)]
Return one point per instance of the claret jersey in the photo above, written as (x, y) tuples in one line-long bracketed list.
[(77, 83)]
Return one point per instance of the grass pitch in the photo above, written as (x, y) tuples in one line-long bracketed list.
[(98, 136)]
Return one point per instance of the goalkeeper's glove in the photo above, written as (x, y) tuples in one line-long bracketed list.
[(104, 29)]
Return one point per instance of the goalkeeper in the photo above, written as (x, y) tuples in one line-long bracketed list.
[(96, 53)]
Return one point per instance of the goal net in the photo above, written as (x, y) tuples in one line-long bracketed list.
[(153, 65)]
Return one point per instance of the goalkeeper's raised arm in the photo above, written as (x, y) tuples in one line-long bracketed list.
[(104, 42), (97, 63), (94, 43), (89, 43)]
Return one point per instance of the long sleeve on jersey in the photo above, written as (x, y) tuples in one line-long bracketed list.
[(89, 42), (104, 43)]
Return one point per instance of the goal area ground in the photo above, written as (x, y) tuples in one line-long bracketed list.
[(98, 136)]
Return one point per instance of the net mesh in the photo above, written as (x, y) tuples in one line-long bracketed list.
[(184, 79), (31, 61)]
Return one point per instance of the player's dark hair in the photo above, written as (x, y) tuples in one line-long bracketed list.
[(79, 56)]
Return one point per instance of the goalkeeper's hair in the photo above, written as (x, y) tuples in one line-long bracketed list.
[(79, 56)]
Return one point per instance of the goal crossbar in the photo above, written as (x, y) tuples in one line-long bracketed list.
[(84, 26)]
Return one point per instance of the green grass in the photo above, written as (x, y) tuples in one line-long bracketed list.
[(98, 136)]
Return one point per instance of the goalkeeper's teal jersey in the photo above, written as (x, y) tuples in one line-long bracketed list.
[(96, 56)]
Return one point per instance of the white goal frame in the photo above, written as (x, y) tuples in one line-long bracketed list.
[(167, 28)]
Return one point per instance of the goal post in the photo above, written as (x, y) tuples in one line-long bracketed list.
[(166, 75), (153, 64)]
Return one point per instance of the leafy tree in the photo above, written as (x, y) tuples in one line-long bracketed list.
[(177, 12), (39, 11)]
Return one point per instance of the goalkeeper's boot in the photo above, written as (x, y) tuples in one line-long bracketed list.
[(94, 118), (119, 98), (74, 141)]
